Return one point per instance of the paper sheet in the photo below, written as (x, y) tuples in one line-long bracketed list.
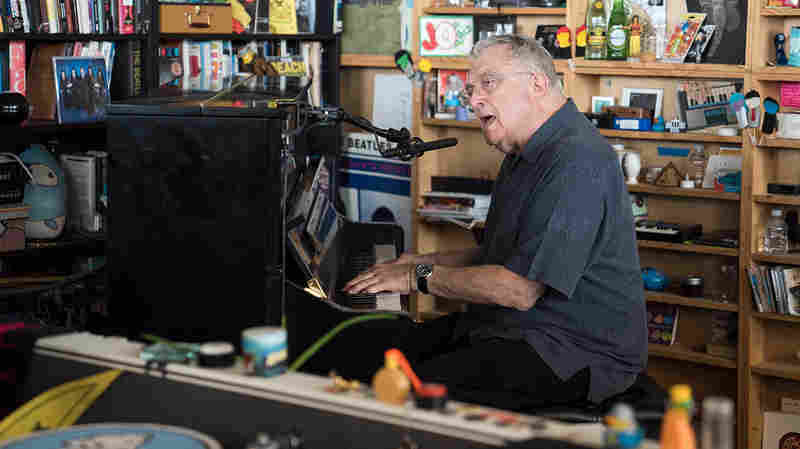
[(391, 106)]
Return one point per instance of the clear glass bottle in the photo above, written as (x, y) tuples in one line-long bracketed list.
[(617, 41), (697, 165), (596, 30), (716, 431), (776, 238)]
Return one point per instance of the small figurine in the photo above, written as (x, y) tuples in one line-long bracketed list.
[(563, 44), (635, 43), (622, 430), (780, 50), (580, 41), (659, 125)]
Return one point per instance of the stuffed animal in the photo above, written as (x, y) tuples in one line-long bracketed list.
[(46, 194)]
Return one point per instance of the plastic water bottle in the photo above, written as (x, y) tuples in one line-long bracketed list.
[(776, 238)]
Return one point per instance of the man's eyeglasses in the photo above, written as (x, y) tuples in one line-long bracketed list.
[(488, 83)]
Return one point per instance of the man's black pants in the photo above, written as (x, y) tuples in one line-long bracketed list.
[(496, 372)]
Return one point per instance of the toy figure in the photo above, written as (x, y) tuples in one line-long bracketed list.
[(46, 194), (635, 44), (454, 86), (622, 430), (780, 49), (563, 43)]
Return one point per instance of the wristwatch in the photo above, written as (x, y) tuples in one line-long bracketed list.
[(423, 272)]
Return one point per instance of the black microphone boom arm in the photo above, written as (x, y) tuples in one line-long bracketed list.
[(407, 147)]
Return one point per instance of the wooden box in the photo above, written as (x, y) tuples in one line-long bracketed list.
[(12, 231), (196, 18)]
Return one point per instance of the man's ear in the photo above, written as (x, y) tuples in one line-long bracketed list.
[(538, 84)]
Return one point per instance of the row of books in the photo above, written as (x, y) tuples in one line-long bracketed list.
[(776, 288), (73, 16)]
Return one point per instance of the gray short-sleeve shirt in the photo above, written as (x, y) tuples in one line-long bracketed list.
[(561, 215)]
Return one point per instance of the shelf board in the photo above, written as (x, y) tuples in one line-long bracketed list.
[(775, 142), (497, 11), (248, 37), (673, 137), (658, 69), (463, 63), (451, 123), (700, 303), (70, 37), (780, 12), (787, 259), (689, 248), (784, 370), (677, 352), (677, 191), (776, 317), (784, 73), (772, 198), (356, 60)]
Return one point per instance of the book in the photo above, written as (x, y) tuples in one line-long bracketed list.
[(16, 67), (127, 78), (82, 181), (662, 323), (170, 64), (780, 430), (41, 80)]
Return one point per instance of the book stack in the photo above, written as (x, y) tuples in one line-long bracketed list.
[(464, 209), (775, 288)]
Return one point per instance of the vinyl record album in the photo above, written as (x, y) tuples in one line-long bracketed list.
[(115, 436)]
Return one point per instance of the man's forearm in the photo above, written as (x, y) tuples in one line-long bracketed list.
[(485, 284), (460, 258)]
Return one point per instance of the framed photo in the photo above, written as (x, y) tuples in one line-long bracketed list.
[(599, 102), (445, 35), (81, 89), (643, 98)]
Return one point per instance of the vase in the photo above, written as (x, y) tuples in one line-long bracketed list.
[(632, 164)]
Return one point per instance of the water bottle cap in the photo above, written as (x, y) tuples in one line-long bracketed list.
[(680, 393)]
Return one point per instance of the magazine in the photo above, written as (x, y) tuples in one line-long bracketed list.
[(662, 323)]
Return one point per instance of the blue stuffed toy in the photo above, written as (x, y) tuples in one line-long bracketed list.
[(46, 194)]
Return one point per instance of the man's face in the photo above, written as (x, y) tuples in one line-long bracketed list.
[(501, 98)]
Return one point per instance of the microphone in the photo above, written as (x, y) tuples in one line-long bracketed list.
[(417, 147), (737, 105)]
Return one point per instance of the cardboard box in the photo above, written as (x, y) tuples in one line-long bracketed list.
[(12, 227), (196, 18)]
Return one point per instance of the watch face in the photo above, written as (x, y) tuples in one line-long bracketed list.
[(424, 270)]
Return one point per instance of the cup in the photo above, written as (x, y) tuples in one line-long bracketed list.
[(264, 350)]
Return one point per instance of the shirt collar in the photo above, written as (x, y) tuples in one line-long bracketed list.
[(553, 127)]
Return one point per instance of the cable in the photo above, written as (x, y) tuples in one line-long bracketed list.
[(24, 167), (4, 292), (332, 333)]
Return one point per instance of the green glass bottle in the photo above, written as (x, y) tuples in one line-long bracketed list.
[(596, 30), (617, 33)]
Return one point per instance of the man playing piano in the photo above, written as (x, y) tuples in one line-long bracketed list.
[(556, 304)]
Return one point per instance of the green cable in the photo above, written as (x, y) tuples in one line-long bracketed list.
[(332, 333)]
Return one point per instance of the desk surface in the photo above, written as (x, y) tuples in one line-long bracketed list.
[(301, 393)]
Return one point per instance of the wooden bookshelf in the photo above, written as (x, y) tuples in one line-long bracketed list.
[(782, 370), (672, 137), (786, 259), (777, 74), (451, 123), (689, 248), (677, 352), (502, 11), (780, 12), (653, 189), (356, 60), (700, 303), (772, 198), (657, 69), (776, 142), (776, 317)]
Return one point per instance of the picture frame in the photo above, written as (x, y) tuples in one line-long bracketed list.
[(599, 102), (650, 98), (81, 89), (443, 35)]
